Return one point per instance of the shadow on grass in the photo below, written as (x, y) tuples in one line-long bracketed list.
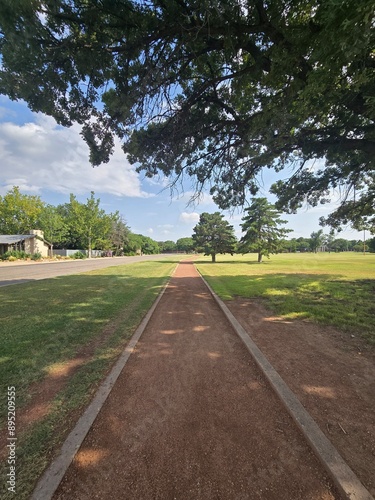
[(47, 322), (231, 262), (324, 298), (14, 282)]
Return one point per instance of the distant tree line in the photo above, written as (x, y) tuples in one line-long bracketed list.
[(77, 225), (264, 234), (328, 243), (182, 245)]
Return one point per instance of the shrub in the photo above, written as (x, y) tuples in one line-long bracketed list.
[(78, 255), (36, 256), (13, 255)]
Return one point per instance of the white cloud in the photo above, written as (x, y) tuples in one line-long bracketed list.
[(189, 218), (43, 155), (191, 198), (158, 180)]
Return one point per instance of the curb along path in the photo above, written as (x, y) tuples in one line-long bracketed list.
[(192, 417)]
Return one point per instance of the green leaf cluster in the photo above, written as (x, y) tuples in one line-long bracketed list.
[(139, 244), (89, 225), (185, 245), (19, 212)]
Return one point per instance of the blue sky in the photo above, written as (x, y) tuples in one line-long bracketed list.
[(45, 159)]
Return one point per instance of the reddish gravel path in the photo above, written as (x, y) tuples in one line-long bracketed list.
[(191, 418)]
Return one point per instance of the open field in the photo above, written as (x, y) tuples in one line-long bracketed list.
[(60, 336), (58, 339), (335, 289)]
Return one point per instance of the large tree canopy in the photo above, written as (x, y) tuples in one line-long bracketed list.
[(216, 89)]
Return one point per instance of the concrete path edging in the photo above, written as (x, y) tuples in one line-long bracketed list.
[(342, 475), (53, 475)]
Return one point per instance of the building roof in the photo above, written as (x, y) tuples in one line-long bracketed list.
[(10, 239)]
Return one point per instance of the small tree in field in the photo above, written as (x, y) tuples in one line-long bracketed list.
[(262, 232), (213, 235), (316, 240)]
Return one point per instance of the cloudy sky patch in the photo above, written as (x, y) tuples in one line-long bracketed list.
[(189, 218), (43, 155)]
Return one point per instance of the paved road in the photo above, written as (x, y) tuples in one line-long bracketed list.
[(12, 274)]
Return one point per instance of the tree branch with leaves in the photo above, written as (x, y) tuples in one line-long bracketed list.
[(218, 89)]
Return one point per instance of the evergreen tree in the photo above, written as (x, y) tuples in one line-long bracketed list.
[(263, 233), (119, 234), (213, 235), (371, 245)]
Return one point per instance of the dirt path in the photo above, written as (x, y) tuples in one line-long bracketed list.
[(191, 417)]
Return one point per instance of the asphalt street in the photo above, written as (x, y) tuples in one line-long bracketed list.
[(13, 274)]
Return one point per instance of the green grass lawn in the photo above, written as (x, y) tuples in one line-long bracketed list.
[(44, 323), (331, 288)]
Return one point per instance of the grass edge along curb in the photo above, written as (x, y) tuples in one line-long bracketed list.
[(342, 475), (53, 475)]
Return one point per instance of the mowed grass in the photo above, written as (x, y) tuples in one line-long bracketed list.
[(329, 288), (43, 326)]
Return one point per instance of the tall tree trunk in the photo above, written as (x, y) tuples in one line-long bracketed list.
[(213, 257), (260, 257)]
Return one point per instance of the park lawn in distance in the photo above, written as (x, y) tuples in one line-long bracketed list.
[(335, 289), (45, 323)]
